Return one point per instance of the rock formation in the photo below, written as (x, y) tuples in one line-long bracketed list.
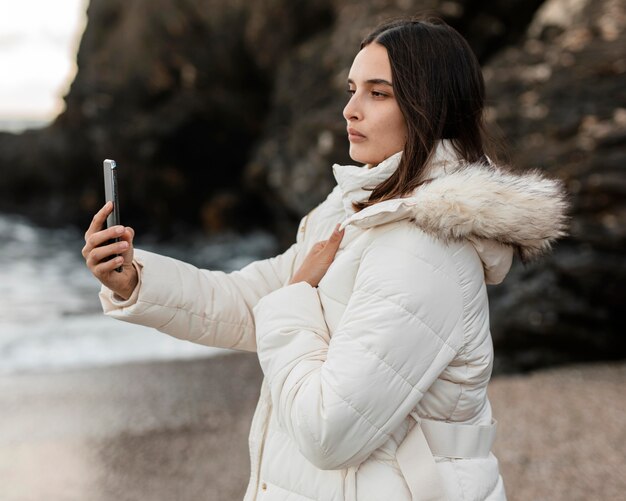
[(191, 97), (560, 98)]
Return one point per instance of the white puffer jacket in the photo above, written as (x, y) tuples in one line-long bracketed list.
[(399, 324)]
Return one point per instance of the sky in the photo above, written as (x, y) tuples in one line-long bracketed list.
[(38, 45)]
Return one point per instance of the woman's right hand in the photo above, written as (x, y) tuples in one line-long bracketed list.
[(96, 250)]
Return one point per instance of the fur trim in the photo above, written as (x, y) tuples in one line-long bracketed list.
[(527, 211)]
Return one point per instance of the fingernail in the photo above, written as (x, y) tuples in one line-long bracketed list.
[(119, 230)]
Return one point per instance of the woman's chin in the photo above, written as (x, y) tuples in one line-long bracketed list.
[(360, 155), (361, 158)]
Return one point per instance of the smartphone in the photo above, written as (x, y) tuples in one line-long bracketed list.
[(110, 195)]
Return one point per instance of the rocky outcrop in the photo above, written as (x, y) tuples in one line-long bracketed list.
[(205, 104), (177, 92), (305, 132), (560, 99), (227, 114)]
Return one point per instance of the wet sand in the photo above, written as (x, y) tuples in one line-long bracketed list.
[(178, 431)]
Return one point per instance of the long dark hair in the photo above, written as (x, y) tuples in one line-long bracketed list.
[(440, 90)]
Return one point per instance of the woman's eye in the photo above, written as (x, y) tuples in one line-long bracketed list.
[(350, 91), (375, 93)]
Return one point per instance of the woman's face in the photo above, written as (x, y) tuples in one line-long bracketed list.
[(376, 127)]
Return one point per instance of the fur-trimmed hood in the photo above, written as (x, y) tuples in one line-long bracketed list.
[(481, 203)]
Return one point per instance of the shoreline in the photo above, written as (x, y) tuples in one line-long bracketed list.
[(178, 430)]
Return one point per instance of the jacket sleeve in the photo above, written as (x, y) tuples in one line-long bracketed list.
[(206, 307), (340, 397)]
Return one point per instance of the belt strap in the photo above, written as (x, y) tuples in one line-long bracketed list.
[(418, 467), (427, 438), (459, 441)]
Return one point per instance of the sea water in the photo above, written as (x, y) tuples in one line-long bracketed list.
[(50, 315)]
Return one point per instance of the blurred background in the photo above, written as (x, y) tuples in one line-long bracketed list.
[(225, 119)]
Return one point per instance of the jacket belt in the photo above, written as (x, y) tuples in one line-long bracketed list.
[(459, 441), (430, 438)]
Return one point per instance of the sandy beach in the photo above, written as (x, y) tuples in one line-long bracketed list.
[(178, 431)]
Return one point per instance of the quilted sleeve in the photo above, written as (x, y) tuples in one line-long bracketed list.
[(205, 307), (339, 397)]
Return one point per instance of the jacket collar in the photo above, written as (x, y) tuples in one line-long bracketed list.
[(357, 182), (495, 209)]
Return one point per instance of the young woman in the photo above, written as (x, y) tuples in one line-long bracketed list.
[(374, 341)]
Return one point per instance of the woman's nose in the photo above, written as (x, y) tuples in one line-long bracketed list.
[(351, 110)]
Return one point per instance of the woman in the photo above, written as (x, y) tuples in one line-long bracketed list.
[(375, 341)]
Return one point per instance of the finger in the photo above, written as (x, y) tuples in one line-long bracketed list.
[(101, 237), (106, 267), (318, 247), (337, 232), (98, 219), (99, 254), (334, 241), (128, 236)]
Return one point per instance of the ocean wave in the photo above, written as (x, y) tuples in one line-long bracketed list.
[(50, 316)]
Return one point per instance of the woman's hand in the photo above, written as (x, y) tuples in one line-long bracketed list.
[(97, 250), (319, 258)]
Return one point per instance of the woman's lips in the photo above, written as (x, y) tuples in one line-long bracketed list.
[(354, 136)]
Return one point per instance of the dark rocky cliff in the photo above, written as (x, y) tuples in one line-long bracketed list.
[(227, 114), (192, 97), (560, 98)]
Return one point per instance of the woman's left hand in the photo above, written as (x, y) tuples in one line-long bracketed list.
[(318, 260)]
